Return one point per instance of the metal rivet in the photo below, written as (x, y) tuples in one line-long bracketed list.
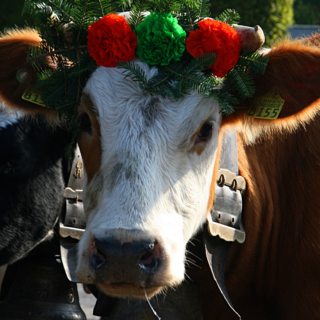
[(234, 185), (70, 296), (222, 180)]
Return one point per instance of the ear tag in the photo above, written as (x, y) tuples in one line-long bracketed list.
[(33, 95), (267, 106)]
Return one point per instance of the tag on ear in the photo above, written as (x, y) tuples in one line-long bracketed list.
[(267, 106), (33, 95)]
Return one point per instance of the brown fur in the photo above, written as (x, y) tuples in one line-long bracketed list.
[(275, 273), (294, 69), (14, 45), (90, 144), (314, 40)]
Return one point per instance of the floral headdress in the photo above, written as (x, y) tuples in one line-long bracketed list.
[(191, 52)]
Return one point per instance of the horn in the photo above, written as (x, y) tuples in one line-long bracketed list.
[(251, 39)]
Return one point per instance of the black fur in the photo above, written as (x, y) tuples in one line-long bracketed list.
[(33, 174)]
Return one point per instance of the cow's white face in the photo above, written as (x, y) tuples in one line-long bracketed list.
[(149, 165)]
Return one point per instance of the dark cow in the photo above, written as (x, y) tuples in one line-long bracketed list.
[(33, 175)]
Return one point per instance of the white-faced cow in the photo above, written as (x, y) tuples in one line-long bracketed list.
[(150, 183)]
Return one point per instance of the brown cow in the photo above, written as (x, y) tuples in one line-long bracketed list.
[(149, 175)]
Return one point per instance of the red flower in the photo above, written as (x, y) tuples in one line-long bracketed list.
[(218, 37), (111, 40)]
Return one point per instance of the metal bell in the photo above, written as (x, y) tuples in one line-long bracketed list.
[(41, 291)]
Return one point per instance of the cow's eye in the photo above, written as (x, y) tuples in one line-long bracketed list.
[(86, 123), (11, 166), (205, 132)]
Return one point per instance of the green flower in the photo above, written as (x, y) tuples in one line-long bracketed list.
[(160, 39)]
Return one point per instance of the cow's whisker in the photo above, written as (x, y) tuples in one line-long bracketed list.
[(154, 311), (189, 252), (188, 261)]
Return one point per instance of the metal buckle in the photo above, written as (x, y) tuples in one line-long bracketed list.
[(74, 233), (73, 194), (224, 232), (228, 204), (67, 231)]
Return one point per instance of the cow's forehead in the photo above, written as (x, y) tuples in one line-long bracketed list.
[(121, 105)]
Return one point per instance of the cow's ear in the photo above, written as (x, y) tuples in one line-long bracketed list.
[(16, 73), (293, 74)]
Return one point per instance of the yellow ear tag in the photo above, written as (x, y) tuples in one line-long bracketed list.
[(267, 106), (33, 95)]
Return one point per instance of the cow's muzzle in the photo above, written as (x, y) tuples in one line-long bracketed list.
[(141, 257), (125, 267)]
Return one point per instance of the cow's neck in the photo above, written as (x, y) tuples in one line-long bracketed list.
[(278, 218)]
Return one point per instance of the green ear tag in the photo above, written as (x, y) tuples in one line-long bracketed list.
[(33, 95), (267, 106)]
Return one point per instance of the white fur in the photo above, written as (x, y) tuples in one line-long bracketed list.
[(152, 180)]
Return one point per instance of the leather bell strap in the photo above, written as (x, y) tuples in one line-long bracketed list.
[(72, 226), (225, 222), (73, 223)]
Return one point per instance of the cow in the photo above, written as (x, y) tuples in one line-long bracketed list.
[(34, 171), (33, 174), (150, 174)]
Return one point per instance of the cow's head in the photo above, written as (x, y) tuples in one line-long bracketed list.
[(149, 164), (149, 169)]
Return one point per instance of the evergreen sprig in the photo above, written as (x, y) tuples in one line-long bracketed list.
[(229, 16), (64, 65), (255, 62)]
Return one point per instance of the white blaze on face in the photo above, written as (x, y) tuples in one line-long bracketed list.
[(154, 175)]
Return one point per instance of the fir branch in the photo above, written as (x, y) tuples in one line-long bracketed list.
[(55, 52), (82, 19), (136, 14), (135, 73), (226, 100), (189, 17), (239, 81), (229, 16), (152, 84), (256, 62), (202, 62), (166, 9), (60, 9), (204, 9), (101, 8)]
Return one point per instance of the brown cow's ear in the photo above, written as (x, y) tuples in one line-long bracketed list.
[(293, 71), (16, 74)]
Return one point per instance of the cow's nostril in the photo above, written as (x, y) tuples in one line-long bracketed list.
[(99, 260), (149, 262)]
